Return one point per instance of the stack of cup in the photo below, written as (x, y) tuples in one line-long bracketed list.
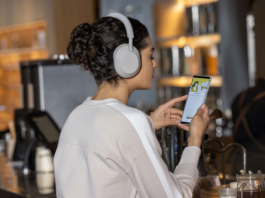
[(45, 183), (44, 169), (44, 161)]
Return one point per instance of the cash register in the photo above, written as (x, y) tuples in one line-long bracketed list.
[(45, 128), (46, 133)]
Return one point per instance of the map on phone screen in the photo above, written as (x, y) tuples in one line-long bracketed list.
[(197, 94)]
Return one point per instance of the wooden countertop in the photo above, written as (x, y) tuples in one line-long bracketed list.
[(14, 184)]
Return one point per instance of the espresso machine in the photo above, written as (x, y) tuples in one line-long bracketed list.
[(51, 90)]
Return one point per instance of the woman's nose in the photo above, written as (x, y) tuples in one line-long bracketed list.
[(154, 64)]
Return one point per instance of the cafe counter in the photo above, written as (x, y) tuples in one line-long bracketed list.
[(14, 184)]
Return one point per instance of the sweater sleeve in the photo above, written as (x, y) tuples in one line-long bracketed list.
[(186, 172), (181, 182), (148, 172)]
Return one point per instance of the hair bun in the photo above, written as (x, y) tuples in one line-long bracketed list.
[(83, 45)]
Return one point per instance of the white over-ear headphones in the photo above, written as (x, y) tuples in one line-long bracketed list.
[(126, 57)]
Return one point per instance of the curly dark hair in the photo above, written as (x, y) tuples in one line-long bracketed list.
[(92, 46)]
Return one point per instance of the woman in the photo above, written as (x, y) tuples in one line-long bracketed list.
[(107, 149)]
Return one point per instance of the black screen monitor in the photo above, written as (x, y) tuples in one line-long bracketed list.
[(44, 127)]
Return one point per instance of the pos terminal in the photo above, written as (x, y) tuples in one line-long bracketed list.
[(46, 132)]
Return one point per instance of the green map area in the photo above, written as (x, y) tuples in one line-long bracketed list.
[(199, 80)]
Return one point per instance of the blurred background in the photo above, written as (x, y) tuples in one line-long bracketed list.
[(223, 39)]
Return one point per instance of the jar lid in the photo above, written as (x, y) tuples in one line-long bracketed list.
[(250, 176)]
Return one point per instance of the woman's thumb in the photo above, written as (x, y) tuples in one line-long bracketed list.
[(206, 113), (201, 110)]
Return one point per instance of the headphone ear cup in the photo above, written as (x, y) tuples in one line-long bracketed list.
[(127, 64)]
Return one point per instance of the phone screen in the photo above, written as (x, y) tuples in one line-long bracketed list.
[(197, 94)]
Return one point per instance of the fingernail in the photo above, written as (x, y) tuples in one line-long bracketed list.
[(203, 106), (177, 122)]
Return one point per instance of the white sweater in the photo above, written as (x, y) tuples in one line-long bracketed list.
[(109, 150)]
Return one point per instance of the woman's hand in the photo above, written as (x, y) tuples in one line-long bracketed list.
[(165, 115), (198, 126)]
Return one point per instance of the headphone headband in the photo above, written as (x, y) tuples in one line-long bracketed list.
[(126, 22), (128, 27)]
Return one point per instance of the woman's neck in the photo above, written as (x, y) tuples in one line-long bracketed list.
[(120, 92)]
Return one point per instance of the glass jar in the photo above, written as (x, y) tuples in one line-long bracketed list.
[(250, 186)]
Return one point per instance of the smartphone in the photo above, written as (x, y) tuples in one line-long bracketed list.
[(197, 95)]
